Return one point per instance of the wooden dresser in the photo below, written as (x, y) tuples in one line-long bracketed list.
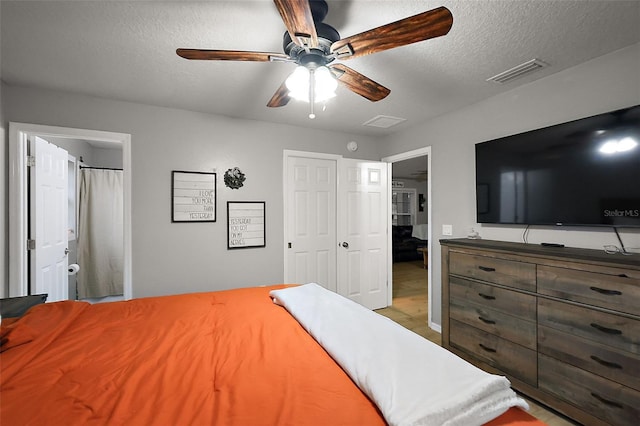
[(563, 324)]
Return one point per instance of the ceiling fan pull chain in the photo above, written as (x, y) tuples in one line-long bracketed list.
[(312, 85)]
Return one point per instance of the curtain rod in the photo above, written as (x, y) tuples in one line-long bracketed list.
[(99, 168)]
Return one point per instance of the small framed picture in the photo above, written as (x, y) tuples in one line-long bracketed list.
[(193, 196), (246, 225)]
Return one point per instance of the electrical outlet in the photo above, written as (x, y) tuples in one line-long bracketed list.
[(447, 229)]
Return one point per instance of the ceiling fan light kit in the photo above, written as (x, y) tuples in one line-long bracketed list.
[(312, 85), (314, 46), (318, 83)]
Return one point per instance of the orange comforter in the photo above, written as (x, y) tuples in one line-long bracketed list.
[(225, 358)]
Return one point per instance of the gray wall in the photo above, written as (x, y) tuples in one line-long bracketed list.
[(186, 257), (4, 200), (4, 190), (91, 155), (107, 157), (603, 84), (172, 258)]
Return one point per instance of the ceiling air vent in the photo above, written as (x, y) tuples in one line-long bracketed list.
[(383, 121), (518, 71)]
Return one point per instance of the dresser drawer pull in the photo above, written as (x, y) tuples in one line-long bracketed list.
[(486, 269), (606, 292), (605, 329), (607, 401), (605, 363), (486, 348), (486, 321), (486, 296)]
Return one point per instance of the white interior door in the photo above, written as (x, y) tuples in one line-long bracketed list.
[(48, 217), (362, 232), (311, 221)]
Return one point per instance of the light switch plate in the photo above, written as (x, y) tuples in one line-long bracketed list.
[(447, 229)]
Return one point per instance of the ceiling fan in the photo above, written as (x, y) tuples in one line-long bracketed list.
[(316, 48)]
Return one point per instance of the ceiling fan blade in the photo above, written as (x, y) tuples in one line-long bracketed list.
[(359, 83), (298, 19), (280, 98), (426, 25), (230, 55)]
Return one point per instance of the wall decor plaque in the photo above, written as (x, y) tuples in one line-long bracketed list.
[(193, 196), (246, 225)]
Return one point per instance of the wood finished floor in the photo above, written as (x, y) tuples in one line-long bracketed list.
[(409, 309)]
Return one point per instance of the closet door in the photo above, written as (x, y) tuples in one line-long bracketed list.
[(336, 226), (310, 228)]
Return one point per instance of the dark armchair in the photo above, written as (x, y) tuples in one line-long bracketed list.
[(404, 246)]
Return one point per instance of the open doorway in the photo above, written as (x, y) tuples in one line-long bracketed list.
[(111, 149), (95, 219), (410, 243)]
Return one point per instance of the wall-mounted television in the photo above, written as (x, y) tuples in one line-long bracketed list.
[(583, 172)]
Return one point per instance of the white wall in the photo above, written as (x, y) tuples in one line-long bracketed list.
[(186, 257), (603, 84)]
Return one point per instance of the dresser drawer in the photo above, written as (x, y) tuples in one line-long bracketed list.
[(499, 318), (608, 329), (619, 366), (609, 401), (502, 354), (617, 289), (500, 271), (500, 299), (495, 322)]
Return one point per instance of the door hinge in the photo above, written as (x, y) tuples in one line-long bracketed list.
[(31, 161), (31, 244)]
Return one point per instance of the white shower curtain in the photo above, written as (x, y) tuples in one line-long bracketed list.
[(100, 233)]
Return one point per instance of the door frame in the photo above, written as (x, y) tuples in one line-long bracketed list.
[(420, 152), (18, 206)]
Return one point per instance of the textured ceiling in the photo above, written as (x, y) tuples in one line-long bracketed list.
[(126, 51)]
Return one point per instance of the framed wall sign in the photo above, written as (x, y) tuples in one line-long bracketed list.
[(246, 225), (193, 196)]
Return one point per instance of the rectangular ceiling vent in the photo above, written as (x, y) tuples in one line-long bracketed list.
[(383, 121), (518, 71)]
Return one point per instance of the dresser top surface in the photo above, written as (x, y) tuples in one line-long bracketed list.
[(573, 253)]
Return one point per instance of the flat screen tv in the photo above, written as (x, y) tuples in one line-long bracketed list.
[(584, 172)]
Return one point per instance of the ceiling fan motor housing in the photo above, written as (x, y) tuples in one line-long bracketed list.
[(319, 10), (327, 35)]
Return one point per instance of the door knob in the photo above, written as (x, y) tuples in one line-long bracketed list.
[(345, 244)]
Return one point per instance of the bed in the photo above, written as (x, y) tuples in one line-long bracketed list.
[(227, 358)]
